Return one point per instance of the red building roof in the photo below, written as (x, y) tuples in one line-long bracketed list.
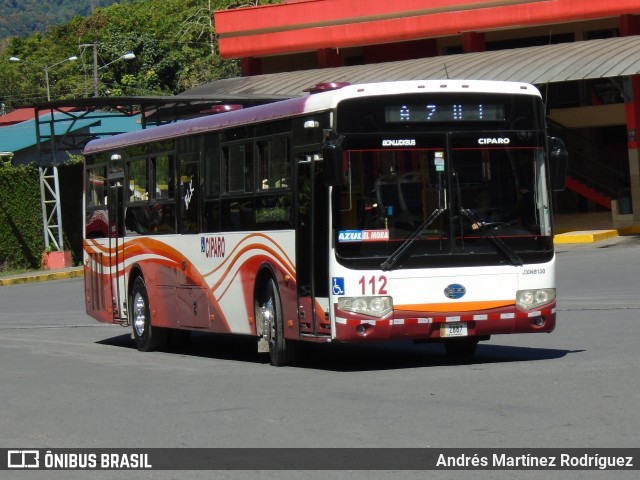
[(317, 24), (22, 115), (16, 116)]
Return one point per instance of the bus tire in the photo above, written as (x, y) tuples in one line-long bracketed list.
[(461, 347), (146, 336), (268, 311)]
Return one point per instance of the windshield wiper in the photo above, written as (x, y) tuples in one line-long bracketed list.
[(513, 257), (402, 249)]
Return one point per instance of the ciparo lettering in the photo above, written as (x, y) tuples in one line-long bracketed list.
[(214, 247), (494, 141)]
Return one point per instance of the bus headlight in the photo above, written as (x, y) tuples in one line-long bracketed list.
[(528, 299), (372, 306)]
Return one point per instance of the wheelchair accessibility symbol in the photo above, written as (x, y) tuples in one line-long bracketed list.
[(338, 285)]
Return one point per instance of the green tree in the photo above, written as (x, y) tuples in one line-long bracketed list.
[(174, 42)]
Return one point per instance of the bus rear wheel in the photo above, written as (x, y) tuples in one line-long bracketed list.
[(270, 325), (146, 336)]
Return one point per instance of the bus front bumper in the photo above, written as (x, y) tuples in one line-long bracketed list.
[(436, 325)]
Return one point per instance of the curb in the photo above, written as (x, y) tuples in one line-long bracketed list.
[(41, 276), (585, 236)]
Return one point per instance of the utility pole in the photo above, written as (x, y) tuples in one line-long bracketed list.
[(95, 69), (95, 65)]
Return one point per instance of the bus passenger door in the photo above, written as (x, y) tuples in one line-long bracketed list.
[(312, 245), (116, 232)]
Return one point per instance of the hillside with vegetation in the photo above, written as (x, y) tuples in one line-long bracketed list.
[(21, 18), (174, 43), (175, 48)]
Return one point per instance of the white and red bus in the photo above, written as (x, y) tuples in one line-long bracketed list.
[(413, 210)]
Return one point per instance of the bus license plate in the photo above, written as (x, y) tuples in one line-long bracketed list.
[(453, 329)]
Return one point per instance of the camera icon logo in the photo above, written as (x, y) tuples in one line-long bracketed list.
[(23, 459)]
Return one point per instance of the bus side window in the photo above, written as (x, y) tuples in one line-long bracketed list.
[(211, 174), (136, 221), (238, 167), (273, 164), (96, 221), (164, 177), (162, 218), (136, 197), (212, 216), (95, 185), (237, 214), (138, 181)]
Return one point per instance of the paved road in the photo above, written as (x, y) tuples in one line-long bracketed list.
[(68, 381)]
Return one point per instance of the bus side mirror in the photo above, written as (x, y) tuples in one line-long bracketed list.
[(332, 156), (558, 163)]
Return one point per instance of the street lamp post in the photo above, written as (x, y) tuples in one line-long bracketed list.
[(49, 184), (126, 56), (46, 70)]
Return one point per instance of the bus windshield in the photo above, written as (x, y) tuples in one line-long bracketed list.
[(455, 199)]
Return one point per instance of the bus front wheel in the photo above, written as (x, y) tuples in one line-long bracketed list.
[(146, 336), (270, 325)]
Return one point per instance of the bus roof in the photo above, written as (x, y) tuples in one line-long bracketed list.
[(299, 106)]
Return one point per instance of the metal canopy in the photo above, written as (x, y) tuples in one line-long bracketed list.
[(56, 132), (611, 57)]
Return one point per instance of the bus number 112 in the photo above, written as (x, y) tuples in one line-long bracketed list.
[(378, 286)]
